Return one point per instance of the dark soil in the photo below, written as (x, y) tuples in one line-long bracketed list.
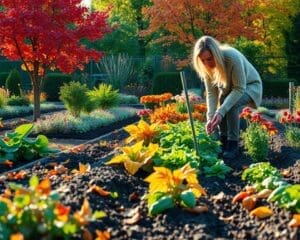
[(223, 220)]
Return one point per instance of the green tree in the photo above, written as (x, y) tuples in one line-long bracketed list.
[(126, 20), (292, 47)]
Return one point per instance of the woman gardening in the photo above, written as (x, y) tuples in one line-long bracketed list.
[(231, 83)]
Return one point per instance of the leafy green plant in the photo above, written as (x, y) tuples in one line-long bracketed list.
[(292, 130), (119, 70), (18, 101), (37, 213), (13, 83), (219, 169), (104, 96), (75, 98), (177, 149), (170, 188), (175, 157), (287, 196), (256, 141), (292, 135), (17, 145), (258, 172)]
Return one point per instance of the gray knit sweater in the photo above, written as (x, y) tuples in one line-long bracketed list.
[(242, 78)]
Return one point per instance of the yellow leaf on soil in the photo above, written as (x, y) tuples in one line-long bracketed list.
[(261, 212)]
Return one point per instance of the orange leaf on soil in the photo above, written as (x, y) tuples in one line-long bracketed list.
[(102, 235), (261, 212), (240, 196), (99, 190), (7, 193), (16, 175), (295, 222), (44, 187), (198, 209), (133, 197), (87, 235)]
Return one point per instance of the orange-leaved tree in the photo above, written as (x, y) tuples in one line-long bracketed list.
[(184, 21), (46, 35)]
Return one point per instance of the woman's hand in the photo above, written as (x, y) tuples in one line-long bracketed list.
[(213, 123)]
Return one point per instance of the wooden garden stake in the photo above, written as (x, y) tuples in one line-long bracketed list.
[(291, 97), (183, 81)]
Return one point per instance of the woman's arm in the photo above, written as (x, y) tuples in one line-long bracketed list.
[(211, 98), (237, 78)]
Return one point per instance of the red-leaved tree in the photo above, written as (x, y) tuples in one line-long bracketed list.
[(184, 21), (46, 35)]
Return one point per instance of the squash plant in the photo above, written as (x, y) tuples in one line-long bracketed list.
[(135, 157), (170, 188), (17, 145)]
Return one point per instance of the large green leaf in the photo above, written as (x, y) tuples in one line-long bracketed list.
[(24, 129), (42, 141)]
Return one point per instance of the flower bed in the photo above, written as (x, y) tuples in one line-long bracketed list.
[(127, 215), (62, 125), (20, 111)]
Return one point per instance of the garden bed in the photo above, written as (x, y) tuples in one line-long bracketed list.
[(127, 215)]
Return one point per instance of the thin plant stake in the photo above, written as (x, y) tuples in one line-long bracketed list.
[(183, 81)]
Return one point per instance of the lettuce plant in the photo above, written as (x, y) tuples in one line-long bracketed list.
[(17, 145), (258, 172)]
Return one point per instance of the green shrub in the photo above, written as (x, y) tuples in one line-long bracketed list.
[(13, 83), (104, 96), (119, 70), (167, 82), (18, 101), (292, 134), (128, 99), (2, 102), (52, 84), (256, 141), (3, 77), (75, 98)]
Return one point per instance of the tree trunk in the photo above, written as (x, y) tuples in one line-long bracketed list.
[(36, 97)]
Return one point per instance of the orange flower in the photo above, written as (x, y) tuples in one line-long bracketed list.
[(62, 212), (44, 187)]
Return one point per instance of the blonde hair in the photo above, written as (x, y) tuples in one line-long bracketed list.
[(207, 43)]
